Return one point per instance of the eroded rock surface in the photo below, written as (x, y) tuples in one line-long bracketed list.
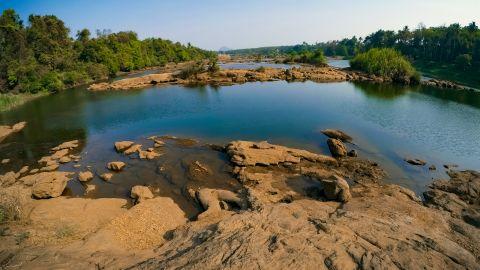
[(382, 227), (460, 195)]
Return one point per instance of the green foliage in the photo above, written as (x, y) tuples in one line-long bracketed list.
[(260, 69), (314, 57), (464, 61), (192, 70), (387, 63), (213, 66), (43, 57)]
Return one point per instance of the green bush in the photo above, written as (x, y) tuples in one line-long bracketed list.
[(387, 63), (51, 82), (192, 70), (464, 61)]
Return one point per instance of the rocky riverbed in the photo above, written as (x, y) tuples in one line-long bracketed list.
[(267, 207)]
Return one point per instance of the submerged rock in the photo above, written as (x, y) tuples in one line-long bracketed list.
[(106, 176), (212, 200), (337, 134), (85, 176), (416, 161)]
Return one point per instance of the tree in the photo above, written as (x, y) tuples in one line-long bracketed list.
[(83, 35)]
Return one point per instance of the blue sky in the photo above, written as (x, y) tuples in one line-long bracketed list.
[(212, 24)]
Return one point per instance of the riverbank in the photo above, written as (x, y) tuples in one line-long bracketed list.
[(469, 78), (299, 207), (9, 101)]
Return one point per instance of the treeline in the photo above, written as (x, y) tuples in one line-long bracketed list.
[(42, 56), (444, 44)]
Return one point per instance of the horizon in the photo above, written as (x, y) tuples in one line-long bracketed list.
[(188, 21)]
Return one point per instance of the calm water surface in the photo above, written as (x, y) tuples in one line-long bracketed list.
[(388, 123)]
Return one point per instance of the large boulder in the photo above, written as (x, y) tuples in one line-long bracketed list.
[(141, 193), (49, 184), (337, 148), (337, 134)]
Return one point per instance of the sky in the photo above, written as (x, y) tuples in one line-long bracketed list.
[(212, 24)]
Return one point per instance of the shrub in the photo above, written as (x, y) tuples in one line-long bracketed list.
[(192, 70), (260, 69), (51, 82), (464, 61), (387, 63), (213, 66), (12, 205)]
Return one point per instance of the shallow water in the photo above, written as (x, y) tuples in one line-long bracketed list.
[(388, 123)]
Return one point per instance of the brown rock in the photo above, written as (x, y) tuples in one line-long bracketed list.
[(67, 145), (416, 162), (337, 148), (85, 176), (106, 176), (49, 184), (244, 153), (5, 161), (116, 165), (132, 149), (123, 145), (336, 188), (141, 193), (337, 134)]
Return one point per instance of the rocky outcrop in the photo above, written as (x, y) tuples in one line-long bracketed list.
[(383, 227), (446, 84), (130, 83), (244, 153), (5, 131), (460, 195), (141, 193), (228, 77), (48, 184), (337, 148)]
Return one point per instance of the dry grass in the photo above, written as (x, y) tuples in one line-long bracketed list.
[(13, 202)]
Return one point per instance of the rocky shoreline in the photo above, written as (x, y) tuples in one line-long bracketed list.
[(239, 76), (289, 208), (172, 76)]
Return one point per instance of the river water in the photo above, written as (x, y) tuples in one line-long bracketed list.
[(388, 122)]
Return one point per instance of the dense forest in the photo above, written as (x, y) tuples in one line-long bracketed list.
[(452, 47), (42, 56)]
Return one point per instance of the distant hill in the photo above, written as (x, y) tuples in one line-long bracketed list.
[(224, 49)]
